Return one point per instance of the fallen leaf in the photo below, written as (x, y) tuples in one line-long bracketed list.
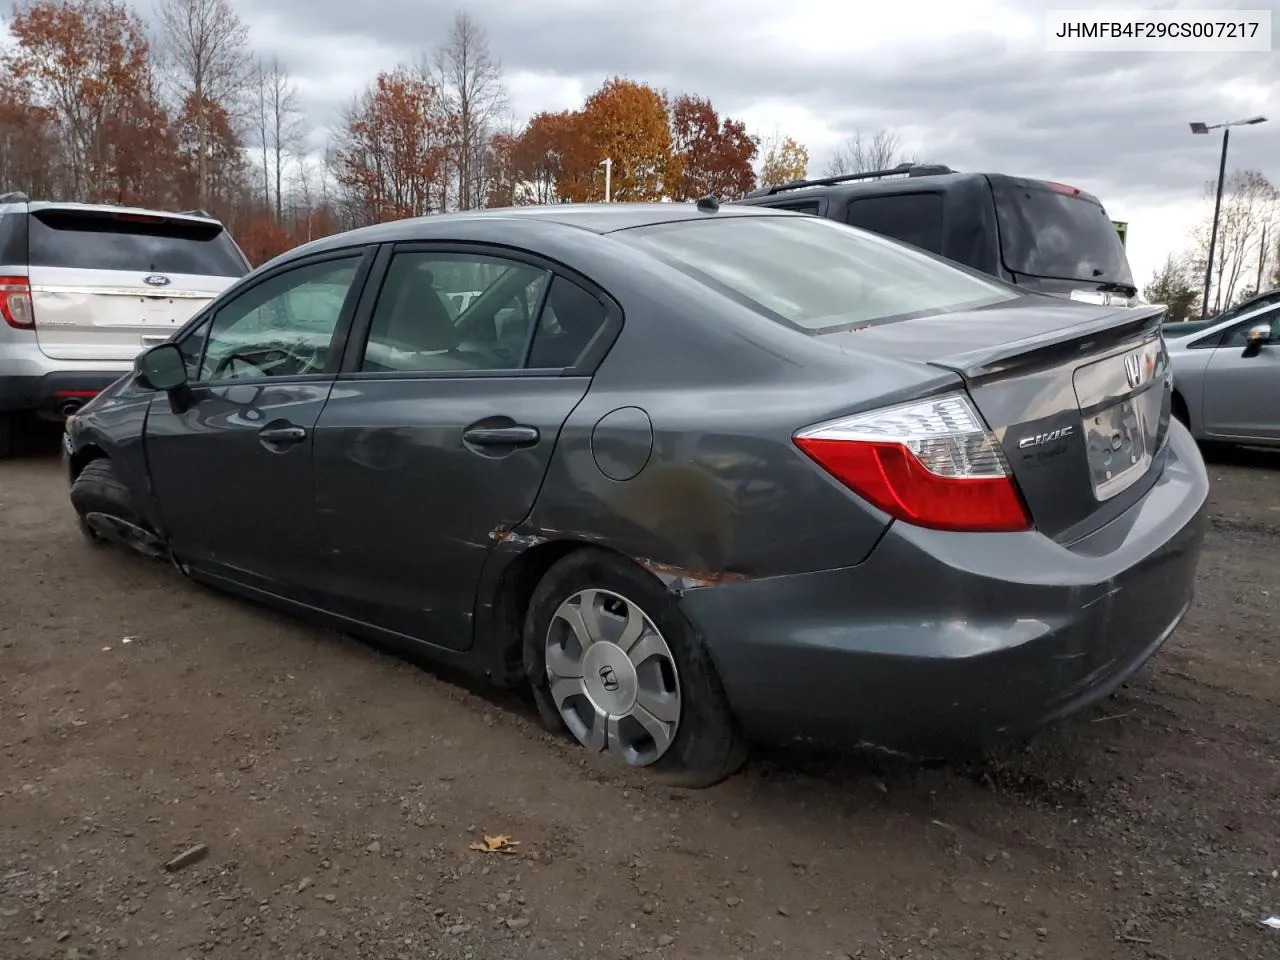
[(498, 844)]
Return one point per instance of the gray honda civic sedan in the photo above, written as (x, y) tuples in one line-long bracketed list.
[(697, 475)]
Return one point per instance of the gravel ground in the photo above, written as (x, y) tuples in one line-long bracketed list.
[(337, 792)]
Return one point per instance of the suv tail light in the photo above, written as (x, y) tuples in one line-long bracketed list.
[(932, 463), (15, 303)]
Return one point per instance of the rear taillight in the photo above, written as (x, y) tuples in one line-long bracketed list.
[(15, 303), (932, 463)]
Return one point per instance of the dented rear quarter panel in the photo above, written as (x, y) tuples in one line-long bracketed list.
[(721, 491)]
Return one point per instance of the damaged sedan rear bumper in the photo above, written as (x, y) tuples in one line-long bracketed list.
[(939, 643)]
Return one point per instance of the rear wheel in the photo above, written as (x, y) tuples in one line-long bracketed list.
[(612, 659), (105, 509)]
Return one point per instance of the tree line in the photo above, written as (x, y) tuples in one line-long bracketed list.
[(98, 104), (1246, 256)]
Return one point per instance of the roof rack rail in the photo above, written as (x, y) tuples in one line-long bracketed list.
[(902, 169), (15, 196)]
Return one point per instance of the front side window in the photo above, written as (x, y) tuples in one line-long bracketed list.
[(1239, 335), (282, 327), (439, 312), (815, 273)]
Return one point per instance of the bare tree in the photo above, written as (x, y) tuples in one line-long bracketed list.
[(206, 49), (281, 127), (471, 81), (1249, 202), (862, 154)]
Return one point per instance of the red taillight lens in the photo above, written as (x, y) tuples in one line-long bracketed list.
[(933, 464), (15, 303)]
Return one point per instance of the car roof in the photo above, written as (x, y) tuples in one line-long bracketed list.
[(598, 218), (37, 205), (898, 182)]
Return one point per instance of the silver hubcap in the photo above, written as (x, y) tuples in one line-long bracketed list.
[(613, 677)]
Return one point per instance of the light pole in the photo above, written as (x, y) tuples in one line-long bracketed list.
[(607, 163), (1217, 203)]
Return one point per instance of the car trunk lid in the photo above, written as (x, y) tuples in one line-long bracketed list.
[(1078, 397), (106, 284)]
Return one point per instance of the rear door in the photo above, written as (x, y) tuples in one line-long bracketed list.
[(1056, 239), (438, 434), (107, 283)]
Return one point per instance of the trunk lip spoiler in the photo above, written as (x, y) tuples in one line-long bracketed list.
[(1049, 347)]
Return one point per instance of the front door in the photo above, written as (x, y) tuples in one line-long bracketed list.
[(230, 460), (440, 430), (1242, 387)]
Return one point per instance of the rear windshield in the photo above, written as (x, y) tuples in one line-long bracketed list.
[(1044, 233), (814, 273), (108, 241)]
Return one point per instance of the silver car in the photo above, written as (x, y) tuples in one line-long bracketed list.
[(85, 287), (1226, 377)]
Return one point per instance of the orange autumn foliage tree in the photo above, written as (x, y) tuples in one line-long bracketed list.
[(530, 166), (784, 162), (208, 128), (87, 64), (716, 155), (626, 122), (262, 237), (392, 152), (29, 147)]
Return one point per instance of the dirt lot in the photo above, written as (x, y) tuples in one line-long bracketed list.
[(339, 789)]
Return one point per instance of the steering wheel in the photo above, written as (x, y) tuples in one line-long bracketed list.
[(262, 359)]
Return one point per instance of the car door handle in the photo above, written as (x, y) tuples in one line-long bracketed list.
[(282, 435), (516, 436)]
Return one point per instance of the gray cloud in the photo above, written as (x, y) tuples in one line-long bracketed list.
[(1116, 123)]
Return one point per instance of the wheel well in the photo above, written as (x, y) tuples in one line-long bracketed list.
[(83, 457), (512, 596), (1178, 407)]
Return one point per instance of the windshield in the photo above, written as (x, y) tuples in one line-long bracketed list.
[(815, 273), (1045, 233), (93, 240)]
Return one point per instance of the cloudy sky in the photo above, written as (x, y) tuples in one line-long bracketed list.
[(968, 84)]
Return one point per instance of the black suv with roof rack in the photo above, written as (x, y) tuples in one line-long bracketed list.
[(1034, 233)]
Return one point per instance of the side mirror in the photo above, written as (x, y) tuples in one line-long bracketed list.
[(162, 368), (1258, 335)]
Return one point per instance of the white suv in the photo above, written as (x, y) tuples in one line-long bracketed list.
[(85, 287)]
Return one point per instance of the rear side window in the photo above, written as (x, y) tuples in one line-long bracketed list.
[(571, 320), (799, 206), (1051, 234), (914, 218), (813, 273), (13, 238), (92, 240)]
